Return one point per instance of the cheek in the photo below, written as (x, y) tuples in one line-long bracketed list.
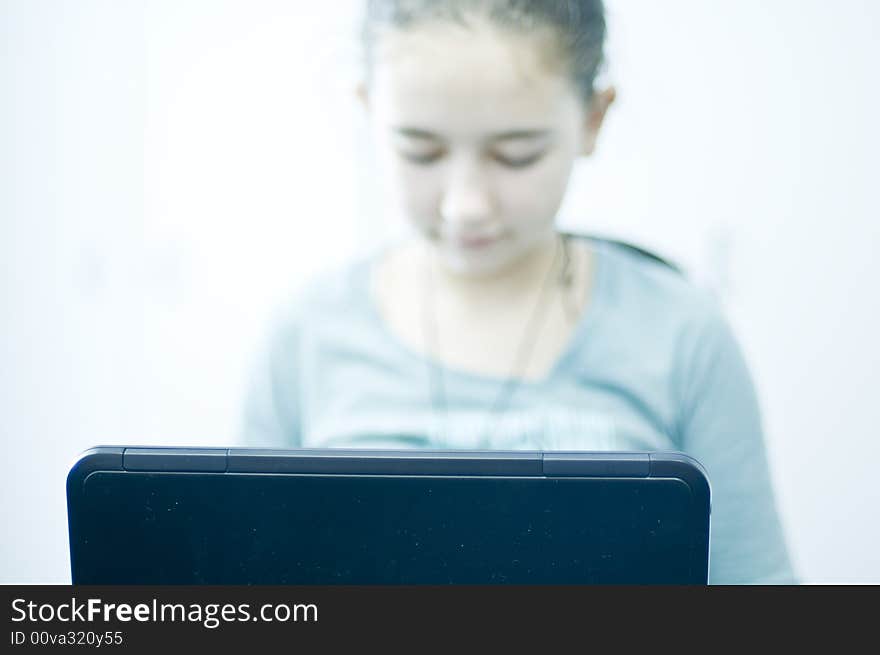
[(533, 196), (417, 190)]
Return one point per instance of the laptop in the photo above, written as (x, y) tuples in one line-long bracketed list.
[(386, 517)]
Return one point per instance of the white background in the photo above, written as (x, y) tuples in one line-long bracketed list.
[(170, 169)]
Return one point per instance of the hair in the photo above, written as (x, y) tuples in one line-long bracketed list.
[(578, 26)]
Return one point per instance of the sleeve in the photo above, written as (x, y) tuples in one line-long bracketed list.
[(271, 414), (721, 427)]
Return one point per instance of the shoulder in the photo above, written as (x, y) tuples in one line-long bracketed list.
[(652, 290), (655, 316), (336, 287), (331, 293)]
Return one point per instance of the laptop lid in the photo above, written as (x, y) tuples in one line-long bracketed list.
[(330, 516)]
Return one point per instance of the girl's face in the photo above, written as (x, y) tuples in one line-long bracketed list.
[(480, 130)]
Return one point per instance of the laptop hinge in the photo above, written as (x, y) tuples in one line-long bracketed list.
[(210, 460)]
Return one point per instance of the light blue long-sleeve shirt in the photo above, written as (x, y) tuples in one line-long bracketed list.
[(652, 365)]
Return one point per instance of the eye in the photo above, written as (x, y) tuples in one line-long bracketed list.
[(518, 162), (423, 158)]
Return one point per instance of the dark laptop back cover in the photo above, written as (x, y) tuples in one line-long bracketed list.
[(255, 516)]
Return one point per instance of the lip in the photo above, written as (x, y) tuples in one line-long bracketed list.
[(475, 241)]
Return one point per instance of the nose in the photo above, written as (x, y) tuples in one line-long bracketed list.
[(467, 198)]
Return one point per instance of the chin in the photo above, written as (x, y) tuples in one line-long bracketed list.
[(479, 262)]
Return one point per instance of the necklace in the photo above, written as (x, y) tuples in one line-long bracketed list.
[(436, 382)]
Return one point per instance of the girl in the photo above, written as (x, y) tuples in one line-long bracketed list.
[(489, 329)]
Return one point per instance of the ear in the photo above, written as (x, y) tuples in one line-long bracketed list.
[(363, 95), (595, 115)]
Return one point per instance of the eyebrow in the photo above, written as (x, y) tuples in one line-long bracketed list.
[(510, 135)]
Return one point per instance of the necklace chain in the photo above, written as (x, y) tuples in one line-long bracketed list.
[(508, 388)]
